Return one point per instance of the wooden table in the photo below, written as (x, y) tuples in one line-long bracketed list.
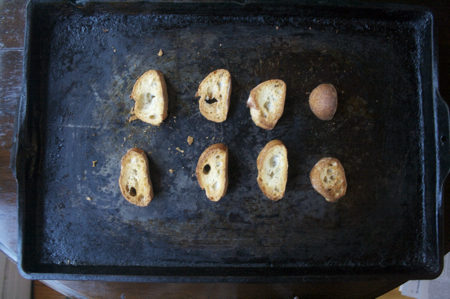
[(12, 23)]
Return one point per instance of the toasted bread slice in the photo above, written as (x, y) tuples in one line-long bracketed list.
[(212, 171), (272, 164), (266, 103), (150, 94), (134, 181), (214, 93), (328, 178)]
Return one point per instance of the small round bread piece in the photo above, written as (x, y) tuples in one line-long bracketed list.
[(328, 178), (272, 164), (212, 171), (323, 101), (134, 181)]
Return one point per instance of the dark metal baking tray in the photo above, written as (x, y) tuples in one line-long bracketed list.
[(390, 132)]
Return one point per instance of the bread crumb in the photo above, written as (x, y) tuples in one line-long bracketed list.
[(207, 137), (190, 140), (93, 134), (178, 149), (171, 170), (220, 45), (277, 27), (93, 163), (88, 198), (105, 30), (114, 50), (124, 138), (133, 118), (149, 153), (160, 53)]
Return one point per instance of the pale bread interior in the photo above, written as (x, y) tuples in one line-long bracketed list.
[(273, 174), (149, 95), (135, 181), (268, 103), (213, 175), (214, 92), (268, 99)]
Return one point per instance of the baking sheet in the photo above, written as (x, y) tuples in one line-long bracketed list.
[(82, 61)]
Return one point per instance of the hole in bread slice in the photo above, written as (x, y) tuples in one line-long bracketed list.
[(206, 169), (131, 191), (210, 101), (268, 106), (274, 160)]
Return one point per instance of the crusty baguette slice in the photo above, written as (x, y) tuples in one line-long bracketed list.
[(134, 181), (150, 94), (266, 103), (214, 93), (272, 164), (328, 178), (212, 171)]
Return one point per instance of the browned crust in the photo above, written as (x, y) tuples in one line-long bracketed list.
[(122, 186), (323, 101), (227, 99), (317, 183), (210, 151), (134, 95), (259, 164), (253, 104)]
